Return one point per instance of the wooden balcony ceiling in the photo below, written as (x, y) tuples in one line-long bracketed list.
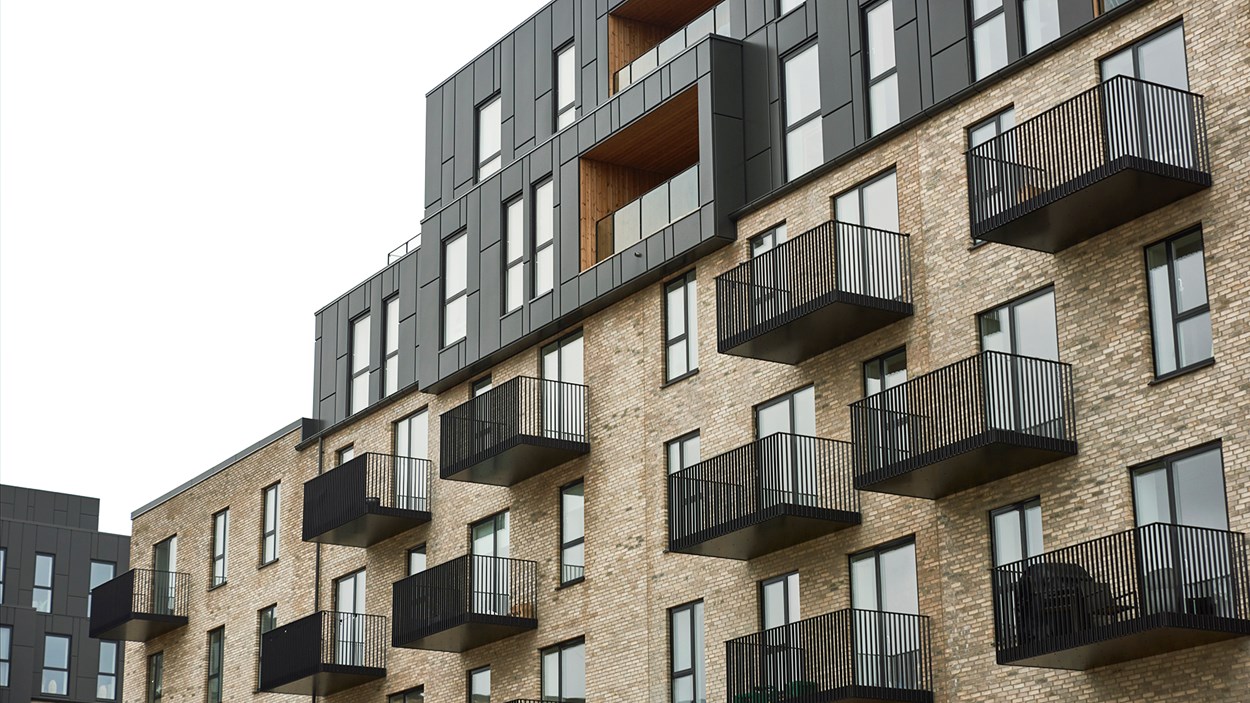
[(664, 141)]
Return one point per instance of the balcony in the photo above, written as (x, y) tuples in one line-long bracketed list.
[(1131, 595), (323, 653), (768, 495), (657, 209), (848, 656), (517, 430), (828, 286), (715, 21), (366, 500), (984, 418), (465, 603), (1106, 157), (139, 605)]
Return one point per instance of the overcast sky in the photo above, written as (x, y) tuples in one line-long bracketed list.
[(182, 185)]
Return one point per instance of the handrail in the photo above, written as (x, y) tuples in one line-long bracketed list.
[(714, 21), (445, 595), (347, 491), (650, 213), (301, 648)]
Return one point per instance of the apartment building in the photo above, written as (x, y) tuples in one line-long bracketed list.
[(765, 351), (52, 554)]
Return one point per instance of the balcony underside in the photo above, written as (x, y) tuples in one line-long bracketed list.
[(1110, 644), (523, 457), (865, 694), (979, 460), (815, 327), (141, 627), (468, 633), (328, 679), (377, 524), (765, 532), (1119, 192)]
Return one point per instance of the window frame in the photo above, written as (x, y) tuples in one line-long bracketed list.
[(390, 345), (784, 579), (4, 553), (786, 126), (1167, 462), (91, 578), (449, 298), (272, 611), (216, 638), (772, 237), (869, 79), (559, 649), (997, 120), (6, 655), (1177, 319), (416, 694), (680, 443), (690, 326), (102, 674), (559, 112), (1010, 306), (265, 531), (481, 160), (876, 551), (50, 587), (976, 22), (1024, 28), (1133, 48), (516, 264), (538, 286), (468, 689), (360, 327), (879, 362), (565, 545), (155, 684), (1021, 506), (220, 550), (698, 667), (421, 549), (45, 668)]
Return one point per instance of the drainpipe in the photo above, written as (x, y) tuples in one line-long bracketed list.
[(317, 564)]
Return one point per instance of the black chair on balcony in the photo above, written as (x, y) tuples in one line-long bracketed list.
[(1059, 599)]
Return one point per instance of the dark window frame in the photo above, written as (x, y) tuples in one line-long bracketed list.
[(272, 611), (682, 282), (1167, 462), (45, 668), (973, 24), (869, 79), (680, 442), (539, 248), (421, 549), (879, 361), (877, 551), (767, 235), (787, 127), (763, 583), (787, 397), (1177, 319), (997, 121), (4, 553), (1011, 305), (447, 300), (265, 531), (559, 648), (695, 654), (1134, 48), (556, 111), (112, 574), (155, 685), (389, 375), (218, 551), (50, 586), (479, 159), (416, 694), (567, 544), (468, 688), (102, 674), (216, 639), (353, 373), (6, 657), (1022, 507), (517, 263)]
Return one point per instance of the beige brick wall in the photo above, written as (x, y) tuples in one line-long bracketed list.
[(1103, 322)]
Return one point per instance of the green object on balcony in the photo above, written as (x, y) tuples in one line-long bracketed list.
[(798, 688)]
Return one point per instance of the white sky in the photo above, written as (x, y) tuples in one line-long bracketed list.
[(182, 185)]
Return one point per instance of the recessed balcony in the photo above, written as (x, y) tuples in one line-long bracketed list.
[(848, 656), (514, 431), (1131, 595), (1108, 156), (646, 34), (366, 500), (323, 653), (139, 605), (987, 417), (465, 603), (774, 493), (828, 286)]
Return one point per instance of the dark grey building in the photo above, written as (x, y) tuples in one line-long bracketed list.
[(51, 555)]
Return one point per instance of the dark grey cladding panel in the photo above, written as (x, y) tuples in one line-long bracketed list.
[(904, 12), (947, 23), (541, 310), (484, 83), (510, 328), (544, 45), (487, 224), (791, 31), (433, 147), (408, 267), (907, 54), (540, 163), (683, 71), (512, 181), (569, 296), (357, 300), (450, 359), (340, 389), (465, 121), (342, 325), (523, 85), (925, 52), (950, 70), (835, 52), (839, 130), (490, 298), (562, 22), (854, 16), (1074, 14), (585, 134), (407, 350), (757, 12), (759, 175)]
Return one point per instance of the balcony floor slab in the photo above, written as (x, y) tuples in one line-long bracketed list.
[(1109, 644), (473, 631), (521, 458), (816, 327), (765, 532), (330, 679), (376, 525)]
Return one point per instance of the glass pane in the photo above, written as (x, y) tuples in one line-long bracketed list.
[(677, 359), (1162, 59), (574, 518), (846, 208), (805, 411), (899, 593), (489, 129), (544, 213), (1120, 64), (805, 148), (864, 582), (684, 193), (802, 76), (675, 308), (627, 226), (981, 8), (1195, 339), (360, 390), (1033, 530), (996, 330), (1200, 499), (515, 228), (108, 657), (56, 652), (702, 26), (455, 322), (682, 640), (1150, 496), (692, 320), (788, 5), (1036, 331), (551, 675), (683, 689), (773, 418), (1008, 545), (990, 43), (655, 211), (881, 203), (515, 287), (573, 673), (455, 278), (566, 71), (896, 369), (774, 608), (1041, 23), (43, 570), (880, 22), (1161, 308), (392, 324), (544, 271), (1191, 278), (671, 47), (54, 682), (883, 104)]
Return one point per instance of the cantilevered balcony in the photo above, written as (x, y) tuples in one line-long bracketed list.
[(848, 656), (517, 430), (1111, 154), (976, 421), (1131, 595), (465, 603), (139, 605), (368, 499), (830, 285), (716, 20), (323, 653), (768, 495)]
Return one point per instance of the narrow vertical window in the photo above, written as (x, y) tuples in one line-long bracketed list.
[(994, 167), (6, 653), (1016, 532), (686, 653), (411, 470), (572, 532), (416, 559), (1041, 23), (345, 454), (804, 138), (101, 572), (882, 67), (221, 529), (156, 677), (266, 620), (514, 254), (106, 678), (55, 680), (489, 137), (544, 238), (269, 524), (41, 596), (390, 364), (683, 452), (564, 672), (1180, 313), (566, 86), (989, 36), (359, 393), (479, 685), (681, 327), (455, 288), (216, 652)]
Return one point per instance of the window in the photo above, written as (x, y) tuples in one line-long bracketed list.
[(489, 137), (683, 452), (390, 364), (514, 254), (1041, 23), (783, 658), (989, 36), (1023, 393), (106, 679), (786, 6), (221, 528), (887, 641), (544, 238), (101, 572), (266, 620), (804, 138), (873, 203), (686, 653), (55, 665), (681, 327), (269, 524), (1184, 489), (490, 547), (1159, 58), (564, 410), (479, 685), (1180, 313), (767, 241), (790, 475), (882, 70), (995, 165), (359, 393), (216, 644), (414, 695), (889, 427), (416, 559), (1016, 532), (564, 672), (885, 372), (779, 601), (156, 677), (566, 86), (792, 413), (165, 599), (868, 262), (572, 533), (345, 454), (41, 597), (6, 653), (1025, 327), (482, 386), (455, 288), (3, 553), (412, 436), (349, 609)]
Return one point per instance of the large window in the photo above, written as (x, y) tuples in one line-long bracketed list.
[(686, 653), (882, 68), (683, 452), (269, 524), (216, 653), (995, 165), (41, 596), (1041, 23), (55, 680), (1016, 532), (101, 572), (1024, 394), (479, 685), (390, 363), (1159, 58), (221, 533), (6, 653), (360, 364), (887, 641), (989, 36), (489, 137), (1180, 313), (1025, 327), (681, 328), (455, 288), (413, 695), (156, 677), (564, 672), (349, 626), (412, 436), (804, 140), (566, 86), (572, 532), (869, 262), (106, 678), (514, 254), (1184, 489), (544, 238)]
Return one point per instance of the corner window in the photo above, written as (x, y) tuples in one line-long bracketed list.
[(101, 572), (221, 529), (514, 254), (882, 68), (572, 533), (55, 679), (390, 363), (489, 137), (6, 653), (455, 288), (686, 653), (544, 238), (564, 672), (156, 677), (359, 393), (1184, 489), (479, 685), (566, 86), (106, 678), (681, 327), (683, 452), (989, 36), (1016, 532), (1180, 313), (804, 138), (41, 596), (416, 560), (269, 524), (216, 644), (1041, 23)]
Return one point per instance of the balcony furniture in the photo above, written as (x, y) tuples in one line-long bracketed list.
[(366, 500)]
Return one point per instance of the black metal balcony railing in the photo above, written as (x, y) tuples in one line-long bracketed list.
[(714, 21), (465, 603), (976, 421), (832, 284), (368, 499), (773, 493), (323, 653), (139, 605), (1105, 157), (658, 208), (514, 431), (1149, 590), (847, 655)]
